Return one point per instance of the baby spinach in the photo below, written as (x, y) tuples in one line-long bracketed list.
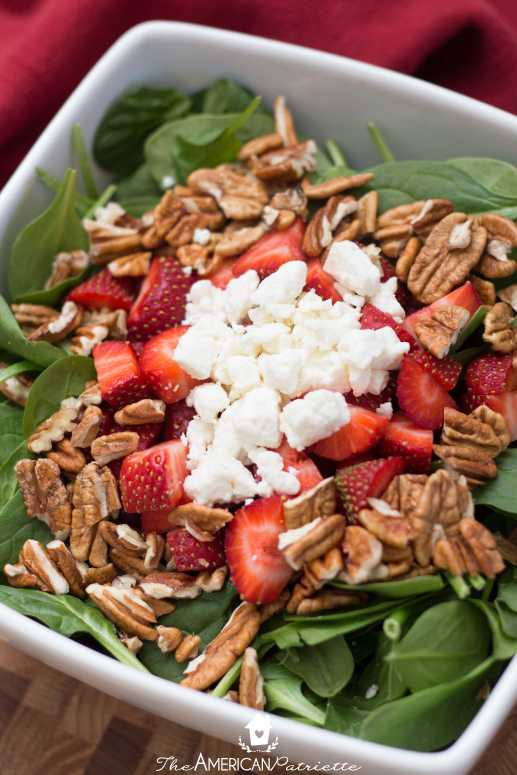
[(380, 678), (68, 615), (225, 96), (84, 163), (66, 377), (325, 668), (16, 528), (57, 229), (118, 145), (501, 493), (140, 183), (344, 716), (503, 646), (446, 641), (18, 368), (498, 176), (82, 203), (398, 589), (287, 693), (475, 321), (13, 339), (467, 356)]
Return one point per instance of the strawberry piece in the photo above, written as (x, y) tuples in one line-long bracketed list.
[(403, 295), (108, 419), (465, 296), (189, 553), (258, 568), (445, 371), (421, 397), (374, 319), (505, 404), (365, 457), (138, 348), (471, 400), (224, 274), (272, 251), (491, 374), (104, 290), (119, 374), (177, 418), (148, 436), (133, 520), (159, 369), (321, 282), (161, 301), (361, 434), (300, 464), (354, 484), (403, 439), (153, 478), (156, 521), (388, 270), (371, 402)]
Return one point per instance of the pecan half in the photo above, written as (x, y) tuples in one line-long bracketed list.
[(34, 315), (319, 232), (38, 563), (125, 609), (169, 638), (134, 265), (485, 290), (155, 544), (52, 430), (498, 330), (268, 610), (461, 430), (115, 234), (260, 145), (284, 124), (67, 457), (237, 242), (95, 498), (291, 199), (496, 422), (68, 320), (45, 495), (473, 551), (367, 211), (440, 332), (391, 530), (74, 573), (104, 449), (474, 464), (502, 237), (91, 396), (104, 575), (433, 210), (404, 492), (312, 540), (325, 568), (145, 411), (223, 651), (98, 556), (128, 563), (337, 186), (183, 232), (329, 599), (363, 556), (18, 576), (318, 502), (393, 228), (251, 683), (67, 265), (173, 585), (202, 518), (238, 197), (206, 205), (123, 537), (407, 258), (88, 427), (159, 607), (287, 164), (16, 388), (212, 580)]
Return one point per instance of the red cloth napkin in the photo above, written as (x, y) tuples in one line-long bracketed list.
[(47, 46)]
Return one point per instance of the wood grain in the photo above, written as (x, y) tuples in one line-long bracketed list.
[(51, 724)]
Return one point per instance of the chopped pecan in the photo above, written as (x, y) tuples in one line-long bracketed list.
[(206, 205), (237, 242), (67, 265), (251, 683), (188, 648), (131, 642), (19, 576), (159, 607), (325, 568), (222, 652), (38, 563), (502, 237), (104, 449), (34, 315), (404, 492), (312, 540), (474, 464), (363, 556), (155, 544), (74, 573), (287, 164), (123, 537), (438, 267), (238, 197), (67, 457), (319, 232), (90, 396), (393, 228), (484, 289), (393, 531), (212, 580), (88, 427), (440, 332), (45, 495), (174, 585), (318, 502), (204, 518), (407, 258), (134, 265), (335, 185), (498, 330), (169, 638), (59, 328), (329, 599), (509, 295), (260, 145), (367, 211), (16, 388), (125, 609), (125, 582), (52, 430), (268, 610), (95, 498), (104, 575), (114, 320), (183, 232), (292, 199), (145, 411), (128, 563), (496, 422), (463, 430), (284, 125), (114, 233), (98, 556)]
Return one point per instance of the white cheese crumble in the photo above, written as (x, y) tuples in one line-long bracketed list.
[(314, 417)]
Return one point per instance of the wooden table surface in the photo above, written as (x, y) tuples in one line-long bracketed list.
[(51, 724)]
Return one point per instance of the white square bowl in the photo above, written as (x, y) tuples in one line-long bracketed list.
[(331, 97)]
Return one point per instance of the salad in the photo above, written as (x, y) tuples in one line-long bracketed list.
[(259, 417)]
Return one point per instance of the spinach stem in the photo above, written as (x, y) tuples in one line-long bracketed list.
[(101, 201), (392, 629), (459, 585), (478, 583), (337, 156), (487, 590), (384, 152), (227, 680), (18, 368), (80, 148)]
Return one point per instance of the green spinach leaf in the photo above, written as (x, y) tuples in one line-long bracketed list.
[(287, 693), (501, 493), (16, 528), (225, 96), (18, 368), (118, 145), (82, 203), (325, 668), (344, 716), (498, 176), (475, 321), (140, 184), (503, 646), (13, 339), (398, 589)]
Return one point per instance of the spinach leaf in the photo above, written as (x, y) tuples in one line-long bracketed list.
[(498, 176), (82, 203), (118, 145), (344, 716), (503, 646), (325, 668), (398, 589), (18, 368), (68, 615), (141, 183), (58, 228), (446, 641), (16, 528), (65, 378), (287, 693), (13, 339), (225, 96), (84, 163), (501, 493), (380, 676), (467, 356), (474, 322)]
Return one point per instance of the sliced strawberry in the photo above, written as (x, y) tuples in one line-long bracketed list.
[(403, 295), (491, 374), (191, 554), (421, 397), (177, 418), (445, 371), (137, 347), (148, 436), (321, 282), (153, 478), (159, 369), (108, 419), (388, 270), (156, 521), (300, 464), (361, 434), (258, 568), (471, 400), (274, 249), (365, 457), (104, 290), (371, 402), (224, 274), (161, 301), (505, 404), (354, 484), (119, 374), (465, 296), (374, 319), (403, 439)]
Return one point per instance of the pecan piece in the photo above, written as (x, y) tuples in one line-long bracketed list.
[(260, 145), (318, 502), (284, 124), (367, 211), (153, 554), (391, 530), (45, 495), (474, 464), (67, 457), (502, 237), (363, 556), (38, 563), (86, 337), (292, 199), (114, 320), (393, 228), (165, 216), (439, 267), (95, 498), (463, 430), (103, 575), (16, 388), (440, 332), (52, 430), (88, 427), (134, 265), (404, 492), (67, 265), (329, 599), (104, 449), (483, 545), (337, 186), (169, 638), (432, 212), (91, 395), (145, 411), (195, 517), (325, 568), (114, 233), (98, 556), (319, 232), (238, 197), (74, 573), (407, 258), (251, 683), (123, 537), (174, 585), (498, 330), (68, 320), (128, 563), (159, 607), (222, 652), (131, 642), (268, 610), (212, 580), (19, 576), (34, 315), (183, 232), (188, 649), (278, 219), (287, 164), (312, 540), (509, 295), (485, 290), (237, 242), (125, 609), (496, 422)]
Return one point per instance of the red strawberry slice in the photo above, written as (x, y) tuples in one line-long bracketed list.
[(272, 251), (159, 369), (361, 434), (148, 436), (505, 404), (465, 296), (388, 270), (403, 439), (374, 319), (161, 301), (258, 568), (354, 484), (371, 402), (445, 371), (177, 418), (471, 400), (108, 419), (156, 521), (321, 282), (421, 397), (104, 290), (191, 554), (138, 348), (403, 295), (119, 374), (224, 274), (491, 374), (301, 466), (153, 478)]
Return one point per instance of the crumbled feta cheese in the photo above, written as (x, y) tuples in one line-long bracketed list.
[(281, 371), (386, 301), (204, 299), (314, 417), (199, 435), (257, 419), (220, 478), (256, 336), (168, 181), (201, 236), (270, 467), (208, 400), (283, 286), (385, 410), (364, 348), (244, 372), (352, 268), (199, 347), (237, 296), (371, 692)]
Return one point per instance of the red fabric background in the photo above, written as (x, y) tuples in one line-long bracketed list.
[(47, 46)]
